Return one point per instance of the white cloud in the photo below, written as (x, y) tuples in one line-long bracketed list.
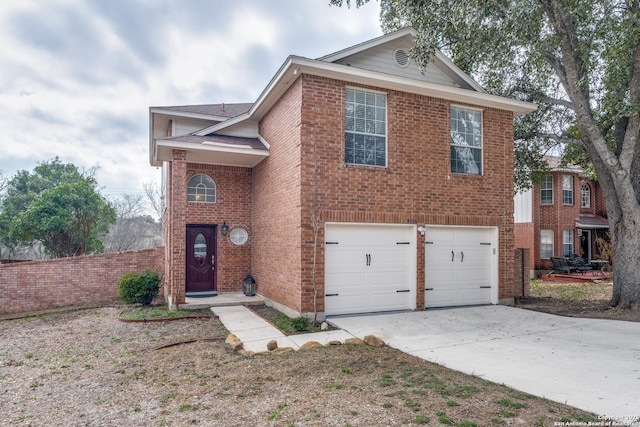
[(78, 76)]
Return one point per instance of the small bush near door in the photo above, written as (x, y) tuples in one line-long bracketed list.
[(139, 287)]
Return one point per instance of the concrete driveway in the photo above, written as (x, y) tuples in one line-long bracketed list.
[(587, 363)]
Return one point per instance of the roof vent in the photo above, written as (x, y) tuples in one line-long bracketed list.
[(401, 58)]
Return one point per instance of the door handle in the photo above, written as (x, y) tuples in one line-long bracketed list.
[(461, 256), (213, 262), (453, 255)]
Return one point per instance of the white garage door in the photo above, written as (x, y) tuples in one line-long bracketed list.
[(369, 268), (459, 265)]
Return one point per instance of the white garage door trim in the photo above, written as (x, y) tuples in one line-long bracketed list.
[(369, 267), (461, 265)]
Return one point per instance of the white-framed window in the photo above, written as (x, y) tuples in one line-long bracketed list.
[(567, 189), (585, 196), (546, 243), (466, 140), (546, 190), (567, 243), (365, 128), (201, 188)]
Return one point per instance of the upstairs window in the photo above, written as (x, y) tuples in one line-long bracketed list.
[(365, 128), (201, 188), (567, 190), (466, 141), (546, 190), (585, 196)]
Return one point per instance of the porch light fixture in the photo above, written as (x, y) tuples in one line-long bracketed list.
[(224, 229)]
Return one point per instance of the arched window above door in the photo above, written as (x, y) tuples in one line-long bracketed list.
[(201, 188)]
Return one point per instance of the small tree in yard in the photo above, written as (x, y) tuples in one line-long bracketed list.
[(139, 287)]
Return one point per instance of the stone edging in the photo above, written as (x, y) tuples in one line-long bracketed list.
[(235, 344)]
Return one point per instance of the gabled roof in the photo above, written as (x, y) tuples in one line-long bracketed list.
[(242, 119), (222, 111), (295, 66), (410, 33)]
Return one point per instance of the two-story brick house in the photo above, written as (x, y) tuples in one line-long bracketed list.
[(560, 217), (354, 183)]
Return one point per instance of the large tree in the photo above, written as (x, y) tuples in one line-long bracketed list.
[(580, 61), (57, 205)]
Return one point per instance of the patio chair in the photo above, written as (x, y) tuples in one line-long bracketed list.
[(560, 265), (579, 263)]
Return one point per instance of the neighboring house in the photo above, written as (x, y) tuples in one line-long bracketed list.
[(560, 217), (355, 183)]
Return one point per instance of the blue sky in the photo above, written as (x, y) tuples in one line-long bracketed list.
[(78, 76)]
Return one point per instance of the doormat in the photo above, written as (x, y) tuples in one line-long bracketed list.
[(200, 294)]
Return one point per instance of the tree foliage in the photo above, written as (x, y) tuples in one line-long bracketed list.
[(133, 229), (580, 61), (57, 205)]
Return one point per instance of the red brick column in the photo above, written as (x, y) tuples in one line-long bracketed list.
[(177, 228)]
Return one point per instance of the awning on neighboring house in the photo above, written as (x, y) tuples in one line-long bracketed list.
[(589, 221)]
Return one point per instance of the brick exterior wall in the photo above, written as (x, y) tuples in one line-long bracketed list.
[(84, 280), (306, 175), (558, 217), (276, 260), (233, 206), (524, 233)]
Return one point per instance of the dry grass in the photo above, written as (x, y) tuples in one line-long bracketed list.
[(576, 299), (88, 368)]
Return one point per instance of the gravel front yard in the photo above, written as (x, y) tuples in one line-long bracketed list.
[(87, 368)]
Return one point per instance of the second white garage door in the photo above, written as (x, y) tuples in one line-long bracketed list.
[(369, 268), (460, 266)]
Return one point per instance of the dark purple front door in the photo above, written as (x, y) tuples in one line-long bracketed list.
[(201, 258)]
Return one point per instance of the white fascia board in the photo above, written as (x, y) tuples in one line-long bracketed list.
[(403, 84), (385, 38), (264, 142), (457, 71), (230, 155), (172, 113), (152, 160), (212, 146)]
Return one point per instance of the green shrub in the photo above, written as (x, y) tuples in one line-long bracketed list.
[(300, 323), (139, 287)]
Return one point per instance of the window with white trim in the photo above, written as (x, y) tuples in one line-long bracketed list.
[(585, 196), (365, 128), (567, 189), (546, 190), (546, 243), (466, 140), (567, 243), (201, 188)]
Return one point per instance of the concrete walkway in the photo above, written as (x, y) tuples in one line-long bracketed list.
[(255, 332), (591, 364)]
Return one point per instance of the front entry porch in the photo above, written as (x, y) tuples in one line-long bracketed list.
[(220, 300)]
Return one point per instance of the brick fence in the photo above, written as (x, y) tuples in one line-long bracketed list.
[(84, 280)]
